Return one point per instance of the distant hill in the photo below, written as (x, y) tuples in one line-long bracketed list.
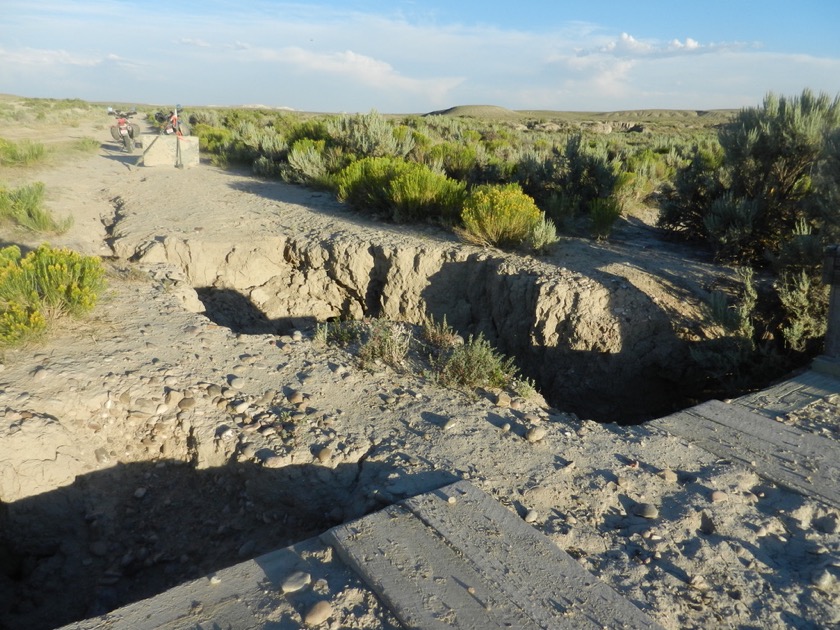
[(618, 119)]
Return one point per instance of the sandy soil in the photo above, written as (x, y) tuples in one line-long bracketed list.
[(150, 445)]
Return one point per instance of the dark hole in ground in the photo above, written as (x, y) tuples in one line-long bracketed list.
[(127, 533), (652, 394), (233, 310)]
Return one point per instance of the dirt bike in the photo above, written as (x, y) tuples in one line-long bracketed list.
[(171, 123), (124, 131)]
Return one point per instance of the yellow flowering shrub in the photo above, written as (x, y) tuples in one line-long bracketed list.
[(500, 215), (45, 283)]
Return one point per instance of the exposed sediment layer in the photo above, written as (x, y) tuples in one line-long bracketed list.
[(595, 345)]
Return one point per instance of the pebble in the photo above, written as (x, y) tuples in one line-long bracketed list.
[(318, 614), (325, 454), (295, 398), (295, 582), (669, 475), (450, 424), (717, 496), (140, 493), (646, 510), (503, 400), (535, 434), (506, 427), (699, 583), (822, 579), (237, 382), (185, 404), (531, 516)]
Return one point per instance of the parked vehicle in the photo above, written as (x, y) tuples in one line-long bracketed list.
[(171, 123), (124, 132)]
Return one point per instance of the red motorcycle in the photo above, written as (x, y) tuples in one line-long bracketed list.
[(124, 131)]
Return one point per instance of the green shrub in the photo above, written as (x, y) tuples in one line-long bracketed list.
[(337, 333), (543, 235), (306, 162), (22, 153), (805, 307), (418, 193), (365, 185), (24, 207), (369, 135), (440, 335), (87, 144), (387, 342), (604, 212), (696, 185), (499, 215), (45, 284), (460, 161), (730, 226), (476, 364)]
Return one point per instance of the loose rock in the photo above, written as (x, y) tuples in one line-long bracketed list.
[(318, 614), (535, 434), (717, 496), (646, 510), (295, 582)]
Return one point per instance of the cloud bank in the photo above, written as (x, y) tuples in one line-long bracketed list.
[(319, 59)]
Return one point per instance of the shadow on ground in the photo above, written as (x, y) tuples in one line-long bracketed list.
[(132, 531)]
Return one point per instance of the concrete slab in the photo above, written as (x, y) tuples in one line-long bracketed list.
[(804, 462), (169, 150), (455, 558)]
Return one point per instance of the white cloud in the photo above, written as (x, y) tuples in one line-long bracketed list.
[(44, 57), (324, 59)]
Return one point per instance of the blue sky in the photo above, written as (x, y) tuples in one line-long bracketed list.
[(415, 56)]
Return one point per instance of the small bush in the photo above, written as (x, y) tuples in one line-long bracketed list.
[(805, 307), (440, 335), (500, 215), (419, 193), (543, 235), (365, 185), (604, 212), (340, 334), (24, 207), (306, 162), (369, 135), (22, 153), (87, 144), (476, 364), (387, 342), (45, 284)]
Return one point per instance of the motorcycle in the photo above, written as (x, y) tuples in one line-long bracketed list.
[(171, 123), (124, 131)]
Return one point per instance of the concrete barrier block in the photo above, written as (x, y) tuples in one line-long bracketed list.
[(169, 150)]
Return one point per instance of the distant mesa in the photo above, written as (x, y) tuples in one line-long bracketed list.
[(478, 111)]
